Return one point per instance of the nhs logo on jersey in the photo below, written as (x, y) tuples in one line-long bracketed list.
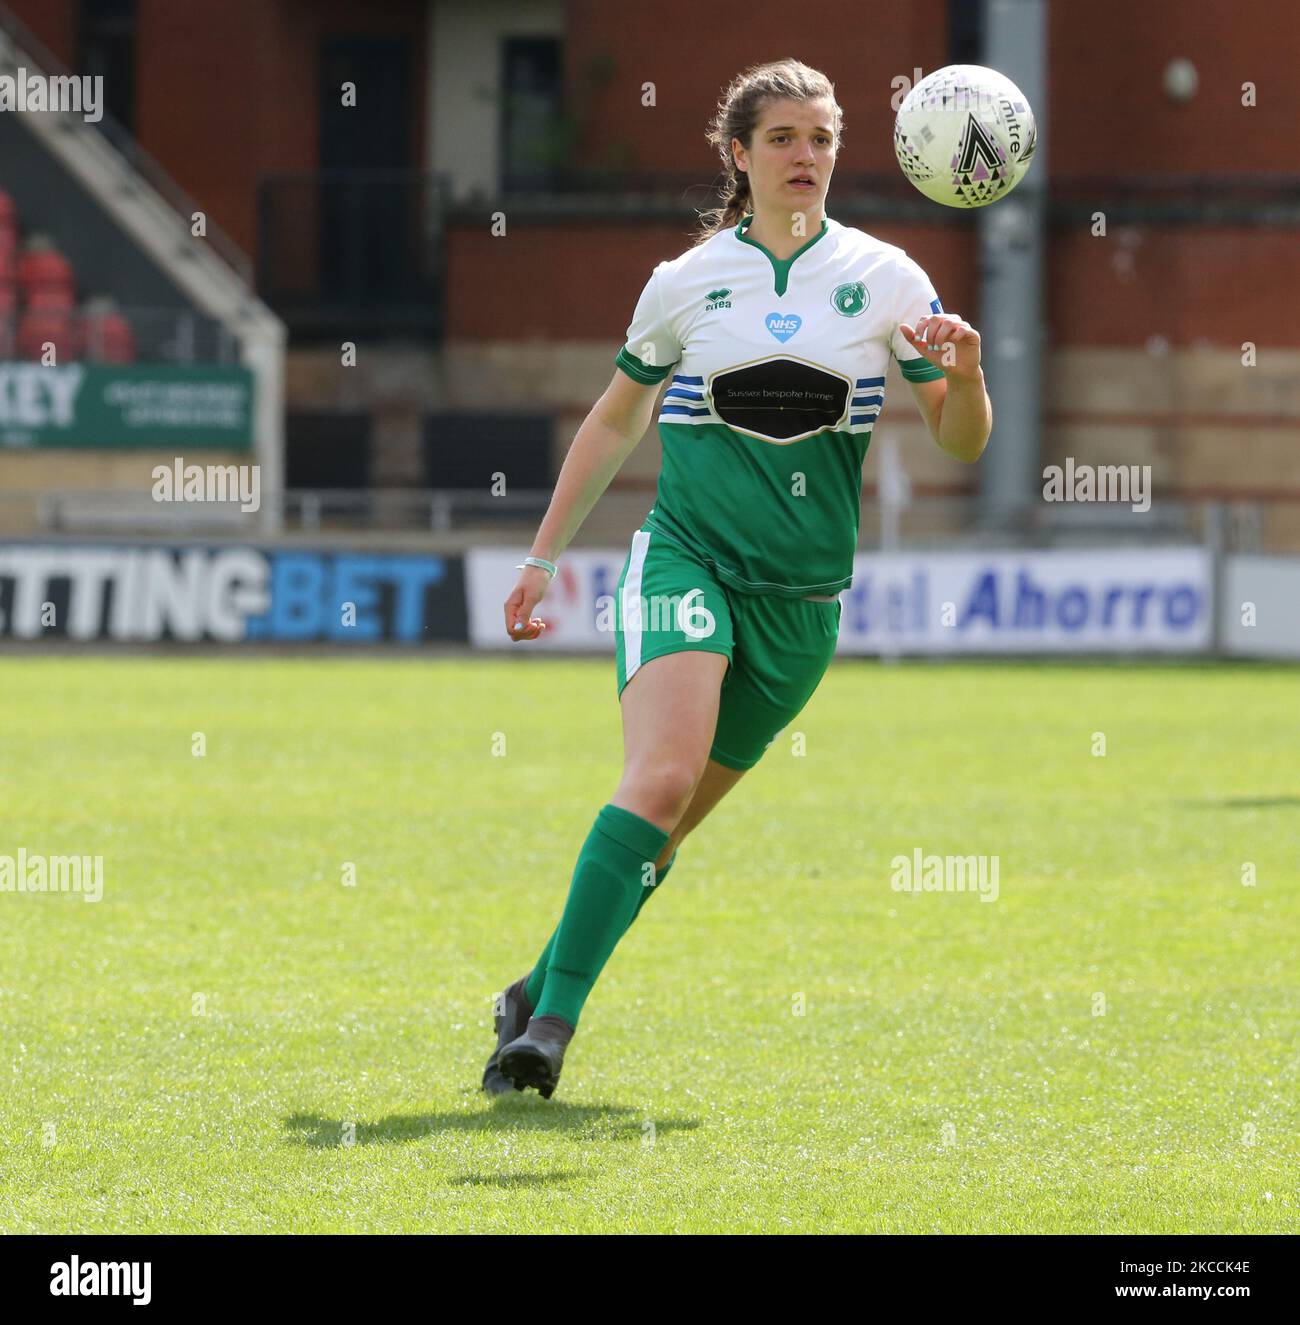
[(783, 325)]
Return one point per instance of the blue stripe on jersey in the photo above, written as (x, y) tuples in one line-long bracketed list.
[(696, 381), (862, 418), (870, 398), (684, 409), (681, 393), (869, 381)]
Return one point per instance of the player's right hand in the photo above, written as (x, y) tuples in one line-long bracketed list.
[(528, 592)]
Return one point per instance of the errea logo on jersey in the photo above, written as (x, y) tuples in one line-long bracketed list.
[(716, 299)]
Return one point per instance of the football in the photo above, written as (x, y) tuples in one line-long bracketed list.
[(965, 135)]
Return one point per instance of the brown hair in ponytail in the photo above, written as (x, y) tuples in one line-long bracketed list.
[(737, 117)]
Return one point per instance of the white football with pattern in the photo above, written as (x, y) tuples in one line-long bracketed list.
[(965, 136)]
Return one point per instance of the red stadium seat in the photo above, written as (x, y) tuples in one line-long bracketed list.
[(8, 238), (43, 269), (106, 335), (8, 249), (51, 299), (35, 329), (8, 310)]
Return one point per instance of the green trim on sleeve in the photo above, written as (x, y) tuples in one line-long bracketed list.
[(638, 371), (920, 370)]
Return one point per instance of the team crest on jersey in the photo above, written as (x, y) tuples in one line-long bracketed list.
[(783, 325), (716, 299), (850, 299)]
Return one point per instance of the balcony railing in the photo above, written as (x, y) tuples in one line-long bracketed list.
[(346, 252)]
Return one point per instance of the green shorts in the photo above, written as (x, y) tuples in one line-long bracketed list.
[(777, 649)]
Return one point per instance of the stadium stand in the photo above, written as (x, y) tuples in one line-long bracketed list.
[(38, 303)]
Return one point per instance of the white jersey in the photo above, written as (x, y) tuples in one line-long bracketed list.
[(778, 374)]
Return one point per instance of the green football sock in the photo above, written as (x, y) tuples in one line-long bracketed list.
[(533, 986), (537, 979), (604, 898), (648, 893)]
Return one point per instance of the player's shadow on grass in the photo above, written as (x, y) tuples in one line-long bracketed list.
[(1245, 803), (589, 1122)]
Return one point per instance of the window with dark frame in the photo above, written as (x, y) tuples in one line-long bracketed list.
[(532, 147), (106, 49)]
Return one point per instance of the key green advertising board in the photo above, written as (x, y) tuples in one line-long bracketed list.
[(135, 405)]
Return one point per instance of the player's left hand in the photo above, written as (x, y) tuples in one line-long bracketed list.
[(947, 341)]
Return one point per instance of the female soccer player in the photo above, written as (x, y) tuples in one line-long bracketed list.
[(776, 327)]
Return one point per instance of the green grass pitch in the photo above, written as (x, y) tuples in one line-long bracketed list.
[(236, 1040)]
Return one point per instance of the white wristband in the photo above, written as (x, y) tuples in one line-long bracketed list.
[(548, 566)]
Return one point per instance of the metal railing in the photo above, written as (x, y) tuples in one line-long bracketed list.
[(440, 511), (159, 335), (352, 250), (923, 523)]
